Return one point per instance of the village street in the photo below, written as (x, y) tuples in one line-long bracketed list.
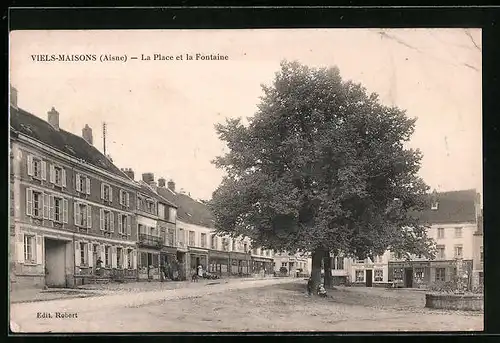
[(240, 305)]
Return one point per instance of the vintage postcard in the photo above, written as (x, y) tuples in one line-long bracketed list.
[(245, 180)]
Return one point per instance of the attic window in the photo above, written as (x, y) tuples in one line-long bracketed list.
[(70, 149), (27, 128), (434, 205)]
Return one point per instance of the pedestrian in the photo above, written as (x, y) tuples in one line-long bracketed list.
[(98, 264), (200, 271)]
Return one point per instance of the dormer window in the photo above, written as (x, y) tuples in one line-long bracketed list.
[(434, 205)]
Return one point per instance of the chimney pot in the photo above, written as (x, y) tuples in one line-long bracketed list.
[(53, 118), (87, 134), (161, 182), (148, 177), (171, 185), (13, 96), (129, 172)]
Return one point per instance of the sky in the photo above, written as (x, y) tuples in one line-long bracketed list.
[(161, 114)]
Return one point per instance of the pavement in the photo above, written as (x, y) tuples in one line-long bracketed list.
[(79, 314)]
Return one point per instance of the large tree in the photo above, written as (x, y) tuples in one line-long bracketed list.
[(321, 167)]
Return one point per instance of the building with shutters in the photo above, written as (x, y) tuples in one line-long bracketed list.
[(72, 207), (296, 264)]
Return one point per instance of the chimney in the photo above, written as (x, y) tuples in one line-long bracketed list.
[(161, 182), (129, 172), (148, 178), (171, 185), (13, 96), (53, 118), (87, 134)]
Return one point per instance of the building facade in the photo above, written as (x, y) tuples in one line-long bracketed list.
[(66, 207), (296, 264)]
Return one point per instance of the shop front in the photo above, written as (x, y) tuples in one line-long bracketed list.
[(262, 266), (168, 256), (218, 262), (149, 264), (198, 257), (239, 263)]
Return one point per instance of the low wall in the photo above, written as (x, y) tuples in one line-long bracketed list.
[(464, 302)]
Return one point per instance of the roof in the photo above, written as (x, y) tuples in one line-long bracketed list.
[(64, 141), (146, 189), (189, 210), (453, 207)]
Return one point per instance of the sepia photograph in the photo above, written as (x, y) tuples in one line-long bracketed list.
[(245, 180)]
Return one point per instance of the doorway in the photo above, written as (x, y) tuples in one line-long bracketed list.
[(55, 263), (409, 277), (369, 278)]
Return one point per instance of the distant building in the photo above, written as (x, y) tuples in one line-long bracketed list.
[(477, 273), (295, 263)]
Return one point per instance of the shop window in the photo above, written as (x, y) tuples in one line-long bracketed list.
[(419, 273), (360, 275), (379, 275)]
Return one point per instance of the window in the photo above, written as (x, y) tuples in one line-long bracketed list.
[(481, 278), (481, 256), (119, 258), (58, 209), (172, 214), (182, 238), (34, 203), (203, 240), (360, 275), (36, 167), (124, 198), (191, 238), (378, 276), (440, 274), (419, 273), (124, 224), (213, 243), (171, 237), (283, 264), (245, 247), (339, 261), (161, 211), (107, 220), (440, 252), (434, 205), (29, 248), (83, 254), (440, 232), (82, 184), (106, 192), (57, 175), (107, 256), (233, 245), (225, 244), (150, 206), (83, 215), (458, 251), (458, 232), (129, 258)]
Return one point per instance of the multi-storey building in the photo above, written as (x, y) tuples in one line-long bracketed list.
[(369, 272), (222, 255), (295, 263), (68, 203), (156, 229), (477, 272)]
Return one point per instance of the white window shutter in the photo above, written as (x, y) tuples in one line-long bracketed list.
[(112, 221), (101, 216), (77, 214), (45, 199), (103, 254), (77, 254), (89, 216), (87, 188), (78, 184), (102, 190), (121, 197), (134, 259), (44, 170), (113, 257), (120, 223), (51, 207), (39, 249), (20, 248), (52, 174), (129, 226), (110, 194), (30, 165), (90, 254), (63, 177), (125, 258), (29, 201), (128, 199), (65, 211)]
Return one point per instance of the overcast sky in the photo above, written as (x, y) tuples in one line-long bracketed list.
[(161, 114)]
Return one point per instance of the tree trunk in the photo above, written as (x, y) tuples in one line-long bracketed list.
[(317, 257), (328, 271)]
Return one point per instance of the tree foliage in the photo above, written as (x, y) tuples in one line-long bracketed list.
[(321, 165)]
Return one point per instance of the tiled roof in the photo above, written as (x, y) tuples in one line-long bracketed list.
[(453, 207), (64, 141), (146, 189), (189, 210)]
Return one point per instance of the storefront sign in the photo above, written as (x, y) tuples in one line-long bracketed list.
[(218, 254)]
